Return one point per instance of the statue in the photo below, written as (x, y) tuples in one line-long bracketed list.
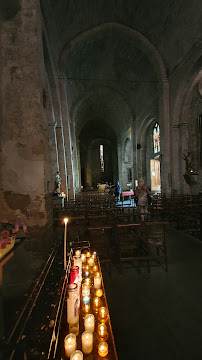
[(189, 161), (188, 176), (57, 182)]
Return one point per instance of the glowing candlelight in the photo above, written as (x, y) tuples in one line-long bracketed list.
[(90, 261), (88, 254), (87, 281), (96, 302), (87, 342), (86, 307), (85, 289), (89, 322), (102, 332), (65, 243), (77, 355), (78, 252), (83, 258), (103, 313), (103, 349), (99, 292), (95, 268), (97, 282), (70, 344)]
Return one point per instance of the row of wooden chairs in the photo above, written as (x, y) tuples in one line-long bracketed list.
[(136, 242)]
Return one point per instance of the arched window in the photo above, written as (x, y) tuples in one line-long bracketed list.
[(156, 138)]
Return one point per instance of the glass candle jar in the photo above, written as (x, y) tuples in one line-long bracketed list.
[(95, 268), (86, 307), (99, 292), (83, 258), (88, 254), (78, 252), (87, 342), (72, 304), (89, 323), (85, 289), (87, 281), (102, 332), (103, 313), (90, 261), (70, 344), (96, 302), (76, 355), (97, 282), (103, 349), (78, 262), (74, 275)]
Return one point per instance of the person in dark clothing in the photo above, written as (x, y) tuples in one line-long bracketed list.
[(117, 191)]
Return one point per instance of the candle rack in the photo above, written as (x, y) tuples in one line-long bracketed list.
[(61, 327)]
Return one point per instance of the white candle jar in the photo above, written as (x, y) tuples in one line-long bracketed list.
[(85, 290), (70, 344), (83, 258), (89, 323), (91, 261), (72, 304), (78, 252), (77, 355), (87, 342), (97, 282)]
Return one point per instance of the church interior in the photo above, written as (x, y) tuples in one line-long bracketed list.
[(95, 94)]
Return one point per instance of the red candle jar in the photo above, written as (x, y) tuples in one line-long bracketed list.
[(74, 275)]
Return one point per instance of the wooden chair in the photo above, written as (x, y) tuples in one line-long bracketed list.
[(127, 236), (153, 242)]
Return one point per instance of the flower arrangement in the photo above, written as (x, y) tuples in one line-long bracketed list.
[(9, 230)]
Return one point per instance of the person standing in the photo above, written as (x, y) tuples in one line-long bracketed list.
[(141, 193), (117, 191)]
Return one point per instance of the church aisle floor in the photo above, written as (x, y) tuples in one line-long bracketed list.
[(158, 315)]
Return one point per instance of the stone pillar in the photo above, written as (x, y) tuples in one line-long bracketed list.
[(134, 150), (120, 168), (165, 137), (24, 139), (65, 125)]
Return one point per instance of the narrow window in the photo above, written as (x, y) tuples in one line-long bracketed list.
[(101, 158), (156, 138)]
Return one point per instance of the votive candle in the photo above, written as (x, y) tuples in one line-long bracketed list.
[(83, 258), (102, 331), (103, 313), (87, 342), (70, 344), (77, 355), (89, 322), (78, 252), (103, 349), (85, 289), (87, 281), (99, 292), (86, 307), (97, 282), (88, 254), (96, 302), (95, 268), (90, 261)]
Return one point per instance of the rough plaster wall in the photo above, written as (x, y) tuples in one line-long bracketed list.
[(23, 142)]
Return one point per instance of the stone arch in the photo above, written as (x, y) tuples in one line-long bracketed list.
[(180, 118), (141, 41)]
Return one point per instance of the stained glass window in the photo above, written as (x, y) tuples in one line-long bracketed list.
[(101, 158), (156, 138)]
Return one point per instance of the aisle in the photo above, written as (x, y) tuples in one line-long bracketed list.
[(158, 315)]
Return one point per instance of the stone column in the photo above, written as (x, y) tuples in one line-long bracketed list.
[(65, 125), (24, 139), (134, 150), (165, 136)]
